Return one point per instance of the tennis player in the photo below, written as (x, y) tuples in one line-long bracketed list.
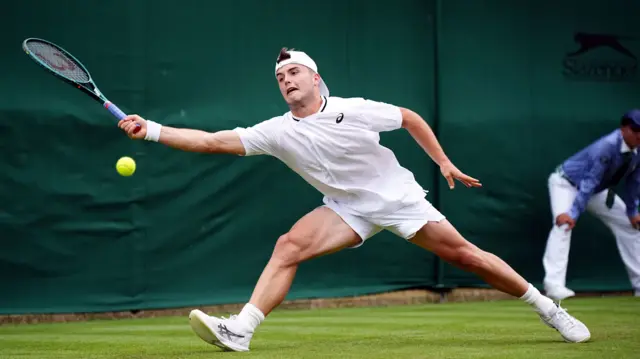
[(333, 143)]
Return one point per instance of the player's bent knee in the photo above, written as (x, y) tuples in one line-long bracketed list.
[(288, 249)]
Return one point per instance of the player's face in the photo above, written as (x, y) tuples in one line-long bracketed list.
[(631, 137), (297, 83)]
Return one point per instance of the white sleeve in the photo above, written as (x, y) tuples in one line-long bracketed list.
[(262, 138), (381, 116)]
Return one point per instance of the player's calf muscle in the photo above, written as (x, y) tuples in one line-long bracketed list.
[(466, 257), (470, 257)]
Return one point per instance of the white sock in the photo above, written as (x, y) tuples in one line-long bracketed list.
[(542, 304), (251, 316)]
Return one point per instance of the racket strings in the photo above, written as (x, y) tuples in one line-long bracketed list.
[(58, 61)]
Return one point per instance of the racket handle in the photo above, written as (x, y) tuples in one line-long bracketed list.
[(118, 113), (114, 110)]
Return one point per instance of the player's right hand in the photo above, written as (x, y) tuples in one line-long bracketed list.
[(565, 218), (134, 126)]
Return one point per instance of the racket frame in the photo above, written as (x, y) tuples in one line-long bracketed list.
[(89, 87)]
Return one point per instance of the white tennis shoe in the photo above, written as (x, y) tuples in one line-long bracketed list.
[(228, 334), (571, 329)]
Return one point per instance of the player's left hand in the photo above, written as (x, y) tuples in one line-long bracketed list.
[(450, 172), (635, 221)]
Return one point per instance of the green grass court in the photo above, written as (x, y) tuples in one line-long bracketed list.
[(502, 329)]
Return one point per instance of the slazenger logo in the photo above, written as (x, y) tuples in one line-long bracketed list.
[(601, 57)]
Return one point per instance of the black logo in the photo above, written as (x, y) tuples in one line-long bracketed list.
[(592, 62), (593, 41), (226, 332), (340, 117)]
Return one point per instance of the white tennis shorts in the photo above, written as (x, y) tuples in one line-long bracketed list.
[(404, 222)]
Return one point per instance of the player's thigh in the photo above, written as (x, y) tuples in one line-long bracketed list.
[(423, 225), (362, 226), (321, 231), (444, 240)]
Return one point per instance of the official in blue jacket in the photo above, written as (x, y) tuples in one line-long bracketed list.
[(585, 181)]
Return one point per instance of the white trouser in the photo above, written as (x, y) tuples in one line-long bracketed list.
[(556, 255)]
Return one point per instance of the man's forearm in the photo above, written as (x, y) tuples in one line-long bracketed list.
[(225, 141), (424, 136), (186, 139)]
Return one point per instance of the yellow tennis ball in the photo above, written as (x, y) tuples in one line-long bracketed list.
[(126, 166)]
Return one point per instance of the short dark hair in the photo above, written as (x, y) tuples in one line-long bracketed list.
[(627, 121), (284, 55)]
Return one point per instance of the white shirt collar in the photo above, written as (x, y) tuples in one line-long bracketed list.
[(625, 148), (321, 109)]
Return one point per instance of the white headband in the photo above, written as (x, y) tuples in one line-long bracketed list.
[(300, 58)]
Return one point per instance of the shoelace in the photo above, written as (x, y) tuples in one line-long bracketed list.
[(562, 316), (232, 317)]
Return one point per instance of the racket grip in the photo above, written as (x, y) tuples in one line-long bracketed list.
[(118, 113), (114, 110)]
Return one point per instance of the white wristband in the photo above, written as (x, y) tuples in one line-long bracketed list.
[(153, 131)]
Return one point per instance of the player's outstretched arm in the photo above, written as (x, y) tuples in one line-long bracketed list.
[(424, 136), (183, 138)]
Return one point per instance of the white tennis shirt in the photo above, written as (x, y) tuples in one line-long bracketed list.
[(337, 151)]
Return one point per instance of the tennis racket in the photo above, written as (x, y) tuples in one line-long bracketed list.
[(67, 68)]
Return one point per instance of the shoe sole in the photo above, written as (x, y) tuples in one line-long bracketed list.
[(198, 322), (579, 341), (563, 337)]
